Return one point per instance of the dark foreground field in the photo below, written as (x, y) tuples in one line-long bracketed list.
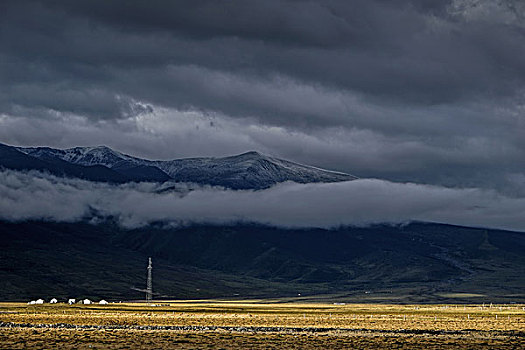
[(252, 325)]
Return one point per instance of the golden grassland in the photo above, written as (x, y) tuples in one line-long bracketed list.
[(133, 339), (343, 326)]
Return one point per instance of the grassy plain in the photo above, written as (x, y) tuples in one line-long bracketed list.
[(261, 324)]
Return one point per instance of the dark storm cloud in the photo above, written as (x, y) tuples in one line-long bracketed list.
[(386, 50), (428, 91), (360, 202)]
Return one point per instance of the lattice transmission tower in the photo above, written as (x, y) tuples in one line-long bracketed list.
[(149, 285)]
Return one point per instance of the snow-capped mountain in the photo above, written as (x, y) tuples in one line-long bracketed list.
[(245, 171), (135, 168), (250, 170), (86, 156)]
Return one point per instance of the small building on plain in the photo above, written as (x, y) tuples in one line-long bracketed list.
[(39, 301), (103, 302), (86, 302), (53, 301), (71, 301)]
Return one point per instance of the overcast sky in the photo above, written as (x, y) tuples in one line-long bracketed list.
[(428, 91)]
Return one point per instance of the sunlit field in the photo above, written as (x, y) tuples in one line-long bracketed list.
[(261, 324)]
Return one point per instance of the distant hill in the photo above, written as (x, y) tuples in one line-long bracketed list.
[(250, 170), (412, 263)]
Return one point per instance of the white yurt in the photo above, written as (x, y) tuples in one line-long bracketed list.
[(86, 302), (32, 302), (53, 301), (103, 302), (71, 301), (39, 301)]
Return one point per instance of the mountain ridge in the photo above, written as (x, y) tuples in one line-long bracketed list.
[(249, 170), (13, 159)]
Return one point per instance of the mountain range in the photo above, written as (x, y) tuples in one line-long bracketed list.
[(415, 262), (250, 170)]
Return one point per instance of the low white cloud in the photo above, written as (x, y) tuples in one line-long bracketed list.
[(34, 196)]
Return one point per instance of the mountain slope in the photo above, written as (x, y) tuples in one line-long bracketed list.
[(411, 263), (250, 170)]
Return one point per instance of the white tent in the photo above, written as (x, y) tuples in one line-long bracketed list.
[(39, 301), (32, 302), (71, 301), (53, 301), (86, 302), (103, 302)]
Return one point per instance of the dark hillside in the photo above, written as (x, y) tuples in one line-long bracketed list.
[(422, 261)]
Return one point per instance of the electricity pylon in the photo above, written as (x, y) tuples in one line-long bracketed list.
[(149, 286)]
